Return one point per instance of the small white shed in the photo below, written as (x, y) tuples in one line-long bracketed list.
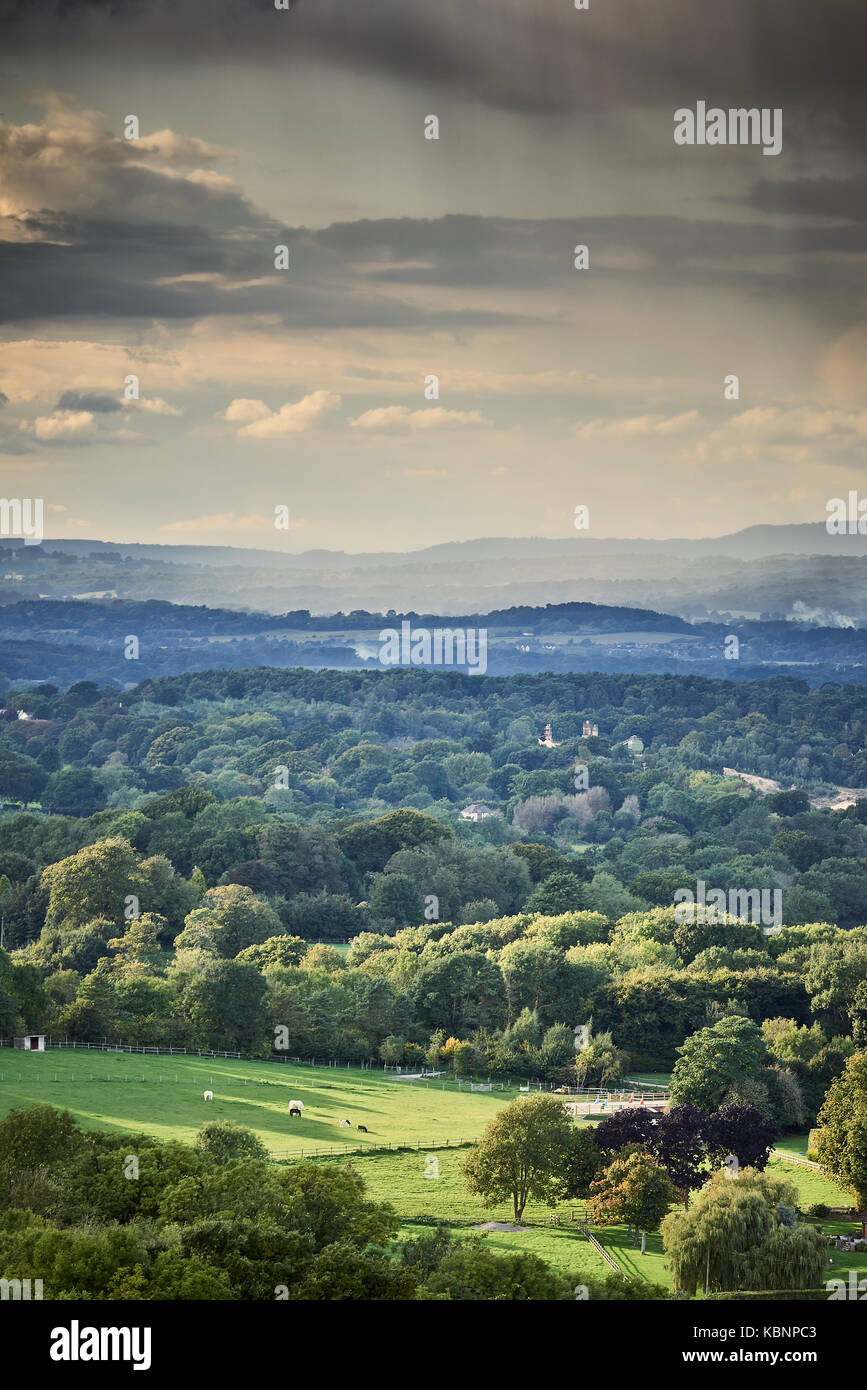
[(31, 1042)]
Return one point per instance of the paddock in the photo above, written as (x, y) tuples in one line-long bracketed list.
[(605, 1105), (123, 1092)]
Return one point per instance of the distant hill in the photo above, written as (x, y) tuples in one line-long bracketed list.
[(115, 617), (753, 543), (764, 572)]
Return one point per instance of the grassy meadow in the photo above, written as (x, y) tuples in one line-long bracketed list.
[(162, 1096)]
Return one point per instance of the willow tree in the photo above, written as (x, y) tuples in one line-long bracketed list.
[(743, 1233)]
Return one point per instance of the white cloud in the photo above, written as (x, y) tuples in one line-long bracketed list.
[(804, 434), (806, 423), (155, 405), (398, 418), (244, 409), (63, 424), (71, 161), (171, 148), (76, 427), (638, 426), (296, 418)]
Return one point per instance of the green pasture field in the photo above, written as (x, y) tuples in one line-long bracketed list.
[(812, 1185), (428, 1184), (652, 1265), (563, 1249), (794, 1143), (415, 1186), (400, 1178), (163, 1096)]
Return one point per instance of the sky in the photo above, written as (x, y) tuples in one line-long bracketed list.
[(309, 388)]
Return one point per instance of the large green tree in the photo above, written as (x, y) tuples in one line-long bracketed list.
[(228, 920), (522, 1153), (715, 1061), (223, 1140), (842, 1142), (95, 882), (459, 992)]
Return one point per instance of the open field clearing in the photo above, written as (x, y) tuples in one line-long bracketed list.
[(564, 1249), (812, 1185), (163, 1097), (793, 1143), (416, 1186)]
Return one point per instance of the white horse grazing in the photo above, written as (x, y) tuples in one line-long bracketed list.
[(296, 1107), (347, 1123), (209, 1095)]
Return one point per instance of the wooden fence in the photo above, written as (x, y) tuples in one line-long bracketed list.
[(395, 1146), (132, 1047), (584, 1226), (797, 1158)]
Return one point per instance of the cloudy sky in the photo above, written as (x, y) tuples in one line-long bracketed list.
[(411, 258)]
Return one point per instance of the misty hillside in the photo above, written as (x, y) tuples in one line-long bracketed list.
[(753, 543), (771, 573)]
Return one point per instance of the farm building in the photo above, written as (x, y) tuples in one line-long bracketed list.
[(31, 1042)]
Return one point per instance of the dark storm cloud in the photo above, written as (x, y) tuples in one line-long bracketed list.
[(348, 275), (135, 194), (46, 280), (88, 400), (537, 56), (824, 197), (457, 250), (92, 269), (154, 245)]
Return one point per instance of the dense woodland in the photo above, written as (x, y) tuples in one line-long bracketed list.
[(194, 851)]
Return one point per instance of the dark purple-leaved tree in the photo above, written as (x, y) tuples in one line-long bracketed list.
[(740, 1130), (632, 1126), (675, 1139), (678, 1144)]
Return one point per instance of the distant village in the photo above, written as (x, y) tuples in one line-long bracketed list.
[(479, 810)]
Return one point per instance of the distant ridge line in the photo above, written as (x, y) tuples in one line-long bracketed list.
[(761, 541)]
